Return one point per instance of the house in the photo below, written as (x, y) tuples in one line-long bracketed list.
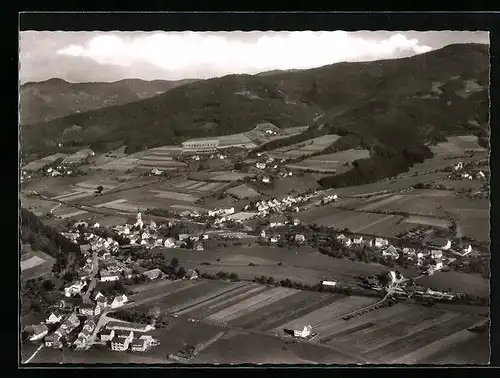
[(191, 274), (458, 166), (107, 335), (139, 345), (409, 251), (75, 289), (89, 325), (300, 238), (358, 240), (54, 317), (328, 283), (198, 247), (275, 239), (169, 243), (305, 332), (391, 251), (90, 309), (369, 243), (53, 340), (119, 301), (347, 242), (153, 274), (480, 175), (436, 254), (341, 237), (39, 331), (380, 243), (70, 323), (122, 326), (468, 249), (260, 165), (102, 301), (84, 334), (122, 340), (106, 276), (183, 237)]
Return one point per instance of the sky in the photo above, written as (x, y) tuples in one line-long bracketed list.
[(111, 56)]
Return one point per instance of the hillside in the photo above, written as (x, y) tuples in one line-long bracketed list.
[(409, 101), (54, 98)]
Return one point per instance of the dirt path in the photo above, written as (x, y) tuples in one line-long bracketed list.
[(34, 353)]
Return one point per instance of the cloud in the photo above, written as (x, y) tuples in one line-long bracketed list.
[(221, 54)]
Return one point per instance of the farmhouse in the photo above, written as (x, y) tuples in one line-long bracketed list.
[(70, 323), (300, 238), (153, 274), (391, 251), (74, 289), (107, 335), (358, 240), (90, 309), (303, 333), (468, 249), (328, 283), (191, 274), (54, 317), (436, 254), (122, 340), (119, 301), (380, 243), (108, 276), (53, 340)]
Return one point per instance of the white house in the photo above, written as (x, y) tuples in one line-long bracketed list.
[(458, 166), (305, 332), (369, 243), (300, 238), (74, 289), (328, 283), (436, 254), (275, 239), (480, 175), (347, 242), (341, 237), (191, 274), (153, 274), (358, 240), (119, 301), (169, 243), (260, 165), (380, 243), (107, 335), (54, 318), (468, 249), (447, 246), (108, 276), (90, 309), (122, 340)]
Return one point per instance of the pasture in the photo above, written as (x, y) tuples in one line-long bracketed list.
[(295, 184), (243, 191), (457, 145), (35, 264), (337, 162), (40, 163), (125, 163), (228, 176), (305, 148), (161, 158)]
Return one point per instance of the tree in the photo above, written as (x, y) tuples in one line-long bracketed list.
[(174, 262), (48, 285), (154, 313), (100, 188), (181, 272)]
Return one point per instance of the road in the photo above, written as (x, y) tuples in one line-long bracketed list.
[(93, 276), (34, 353)]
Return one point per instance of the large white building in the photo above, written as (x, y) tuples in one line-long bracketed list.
[(200, 146)]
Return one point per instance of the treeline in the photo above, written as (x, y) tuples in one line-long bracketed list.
[(384, 163), (47, 239), (312, 132)]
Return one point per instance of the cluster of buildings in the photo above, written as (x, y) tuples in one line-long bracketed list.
[(468, 174), (288, 203), (55, 340), (123, 336)]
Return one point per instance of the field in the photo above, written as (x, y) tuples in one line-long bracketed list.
[(35, 264), (229, 176), (337, 162), (161, 158), (353, 220), (457, 145), (462, 184), (390, 185), (120, 164), (427, 221), (401, 334), (295, 184), (305, 148), (40, 163), (474, 223), (243, 191), (473, 284)]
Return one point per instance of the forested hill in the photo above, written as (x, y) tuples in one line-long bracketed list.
[(410, 100), (54, 98)]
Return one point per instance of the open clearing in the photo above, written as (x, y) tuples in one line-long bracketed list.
[(337, 162), (229, 176), (305, 148), (40, 163), (457, 145), (428, 221), (243, 191), (174, 196)]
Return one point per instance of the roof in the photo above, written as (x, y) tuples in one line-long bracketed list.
[(138, 342), (127, 325)]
